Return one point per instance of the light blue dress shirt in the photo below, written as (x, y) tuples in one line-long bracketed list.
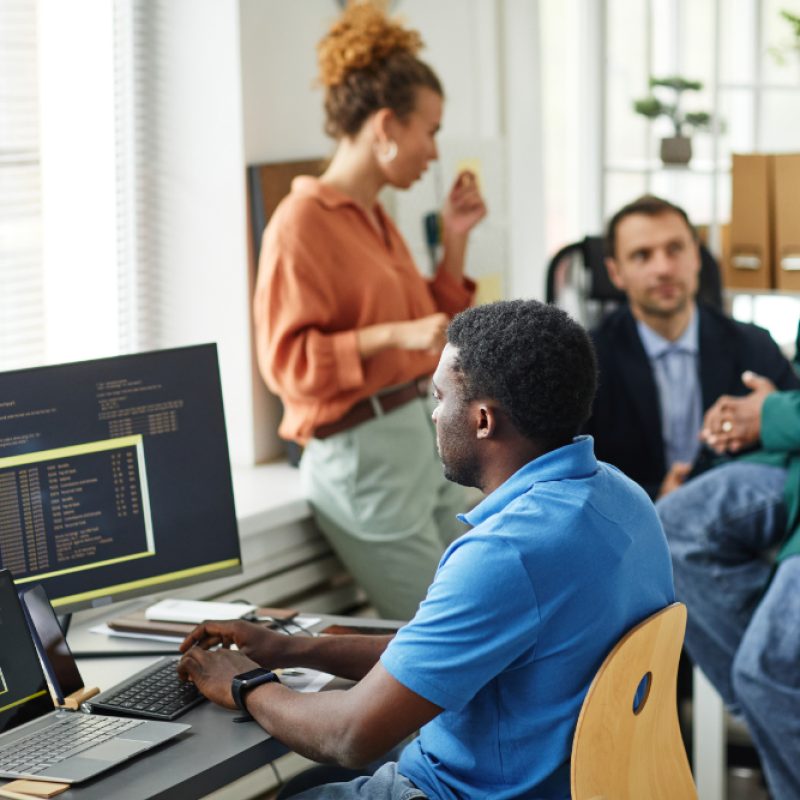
[(676, 369)]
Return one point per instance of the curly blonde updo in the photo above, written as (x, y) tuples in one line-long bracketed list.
[(368, 62)]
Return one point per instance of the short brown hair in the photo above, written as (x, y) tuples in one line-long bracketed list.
[(368, 62), (650, 206)]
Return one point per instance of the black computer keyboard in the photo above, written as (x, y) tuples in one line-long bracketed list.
[(155, 692)]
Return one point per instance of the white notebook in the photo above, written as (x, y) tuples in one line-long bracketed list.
[(196, 611)]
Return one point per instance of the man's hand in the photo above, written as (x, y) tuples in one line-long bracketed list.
[(734, 423), (213, 673), (677, 474), (265, 647)]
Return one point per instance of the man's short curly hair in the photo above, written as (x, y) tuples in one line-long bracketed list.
[(532, 359), (650, 206)]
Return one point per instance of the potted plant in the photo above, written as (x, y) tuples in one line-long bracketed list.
[(676, 149), (785, 50)]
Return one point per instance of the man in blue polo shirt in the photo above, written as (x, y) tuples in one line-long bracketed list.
[(564, 555)]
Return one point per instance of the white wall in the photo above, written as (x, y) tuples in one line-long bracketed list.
[(201, 241), (282, 108)]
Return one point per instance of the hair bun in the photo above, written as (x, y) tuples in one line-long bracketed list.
[(362, 36)]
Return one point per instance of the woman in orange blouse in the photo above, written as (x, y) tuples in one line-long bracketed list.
[(348, 331)]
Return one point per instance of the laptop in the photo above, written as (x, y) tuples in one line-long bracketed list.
[(155, 692), (39, 742)]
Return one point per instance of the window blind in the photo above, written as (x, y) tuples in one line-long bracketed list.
[(21, 275), (140, 163)]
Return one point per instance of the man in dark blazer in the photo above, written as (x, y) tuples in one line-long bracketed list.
[(664, 358)]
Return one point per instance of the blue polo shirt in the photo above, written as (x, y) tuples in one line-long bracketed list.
[(562, 559)]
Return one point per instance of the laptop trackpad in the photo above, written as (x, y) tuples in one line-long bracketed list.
[(115, 750), (94, 760)]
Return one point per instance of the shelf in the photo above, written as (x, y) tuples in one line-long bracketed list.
[(730, 291), (652, 166), (760, 87)]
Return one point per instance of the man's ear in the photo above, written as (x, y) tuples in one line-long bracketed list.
[(614, 273), (486, 421)]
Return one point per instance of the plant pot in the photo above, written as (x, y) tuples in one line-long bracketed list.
[(676, 150)]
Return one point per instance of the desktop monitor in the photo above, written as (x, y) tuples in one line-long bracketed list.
[(115, 477)]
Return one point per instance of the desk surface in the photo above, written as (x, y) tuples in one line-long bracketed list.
[(215, 752)]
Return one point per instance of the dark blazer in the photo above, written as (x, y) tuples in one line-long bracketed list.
[(626, 416)]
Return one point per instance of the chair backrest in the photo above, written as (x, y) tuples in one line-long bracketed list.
[(577, 281), (627, 743)]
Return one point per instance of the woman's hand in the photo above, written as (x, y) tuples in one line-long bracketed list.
[(426, 333), (464, 207)]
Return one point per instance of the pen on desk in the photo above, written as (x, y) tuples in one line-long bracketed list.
[(286, 627)]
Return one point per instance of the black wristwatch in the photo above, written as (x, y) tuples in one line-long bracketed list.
[(246, 681)]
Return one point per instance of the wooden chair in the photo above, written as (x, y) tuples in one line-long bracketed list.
[(628, 744)]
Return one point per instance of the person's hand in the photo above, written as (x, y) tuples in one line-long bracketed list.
[(213, 672), (427, 333), (253, 640), (464, 207), (734, 423), (677, 475)]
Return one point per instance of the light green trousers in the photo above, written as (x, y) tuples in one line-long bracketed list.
[(379, 496)]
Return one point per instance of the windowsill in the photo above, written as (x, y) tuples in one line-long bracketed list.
[(267, 496)]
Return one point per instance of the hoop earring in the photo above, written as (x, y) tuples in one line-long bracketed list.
[(386, 151)]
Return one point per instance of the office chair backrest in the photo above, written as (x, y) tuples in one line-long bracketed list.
[(577, 280), (627, 743)]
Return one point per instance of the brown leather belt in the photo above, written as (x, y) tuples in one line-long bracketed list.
[(366, 409)]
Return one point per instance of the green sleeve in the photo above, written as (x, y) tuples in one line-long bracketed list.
[(780, 422)]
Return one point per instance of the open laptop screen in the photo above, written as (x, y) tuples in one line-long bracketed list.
[(54, 653), (23, 689)]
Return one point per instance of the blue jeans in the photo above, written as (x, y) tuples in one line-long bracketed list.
[(743, 629), (385, 784)]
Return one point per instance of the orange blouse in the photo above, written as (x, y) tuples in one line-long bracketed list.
[(324, 272)]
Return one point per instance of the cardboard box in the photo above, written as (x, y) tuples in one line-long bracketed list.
[(750, 263), (786, 186)]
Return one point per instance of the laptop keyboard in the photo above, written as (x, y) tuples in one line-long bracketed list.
[(157, 693), (67, 736)]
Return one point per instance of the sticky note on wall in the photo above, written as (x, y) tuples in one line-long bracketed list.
[(490, 288), (472, 165)]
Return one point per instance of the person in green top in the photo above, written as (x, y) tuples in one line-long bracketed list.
[(734, 535)]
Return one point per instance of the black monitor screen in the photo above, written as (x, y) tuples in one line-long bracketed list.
[(115, 477)]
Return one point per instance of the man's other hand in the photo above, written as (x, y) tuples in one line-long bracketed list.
[(734, 423), (253, 640)]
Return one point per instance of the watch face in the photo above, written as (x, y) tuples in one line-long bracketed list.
[(254, 673)]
